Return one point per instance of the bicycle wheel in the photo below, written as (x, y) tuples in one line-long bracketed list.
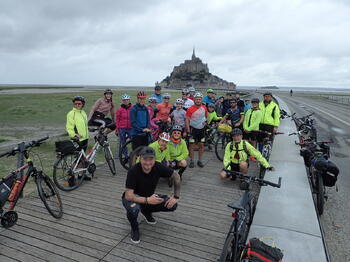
[(109, 159), (135, 155), (63, 175), (250, 209), (48, 193), (220, 145), (231, 251), (124, 154), (320, 194)]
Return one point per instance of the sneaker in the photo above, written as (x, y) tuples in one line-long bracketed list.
[(200, 164), (135, 236), (191, 165), (149, 218)]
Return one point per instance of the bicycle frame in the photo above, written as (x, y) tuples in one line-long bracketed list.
[(90, 157)]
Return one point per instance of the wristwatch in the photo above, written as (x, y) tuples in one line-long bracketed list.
[(176, 197)]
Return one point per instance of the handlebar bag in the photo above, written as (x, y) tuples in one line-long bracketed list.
[(258, 251), (66, 147)]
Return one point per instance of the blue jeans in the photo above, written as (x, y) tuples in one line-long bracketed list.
[(133, 209), (123, 134)]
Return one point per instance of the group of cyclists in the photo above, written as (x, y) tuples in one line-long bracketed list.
[(170, 134)]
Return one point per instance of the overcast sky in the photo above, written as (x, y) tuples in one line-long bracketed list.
[(111, 42)]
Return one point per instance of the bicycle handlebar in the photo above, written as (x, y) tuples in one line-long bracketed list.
[(260, 181), (33, 143)]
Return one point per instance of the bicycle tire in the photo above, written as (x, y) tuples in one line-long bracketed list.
[(63, 176), (49, 195), (220, 145), (134, 155), (233, 246), (320, 195), (124, 154), (109, 159)]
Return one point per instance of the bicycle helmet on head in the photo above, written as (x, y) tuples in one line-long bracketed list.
[(210, 91), (198, 95), (166, 95), (157, 87), (164, 136), (236, 131), (152, 98), (108, 91), (185, 91), (211, 105), (125, 97), (255, 100), (79, 98), (141, 94), (191, 89), (179, 101), (176, 128)]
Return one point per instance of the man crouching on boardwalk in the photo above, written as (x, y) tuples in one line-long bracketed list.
[(141, 182)]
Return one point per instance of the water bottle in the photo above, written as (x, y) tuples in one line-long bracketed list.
[(14, 191)]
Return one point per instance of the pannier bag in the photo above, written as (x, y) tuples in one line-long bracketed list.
[(5, 188), (258, 251), (328, 170), (66, 147), (225, 128)]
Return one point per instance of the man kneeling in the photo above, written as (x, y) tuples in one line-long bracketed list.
[(141, 182)]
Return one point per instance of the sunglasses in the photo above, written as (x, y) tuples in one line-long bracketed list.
[(177, 133), (78, 103)]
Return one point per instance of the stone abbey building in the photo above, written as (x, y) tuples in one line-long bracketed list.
[(194, 72)]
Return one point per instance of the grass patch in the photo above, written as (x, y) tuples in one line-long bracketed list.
[(3, 139)]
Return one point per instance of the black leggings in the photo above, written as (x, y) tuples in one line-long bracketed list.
[(139, 141)]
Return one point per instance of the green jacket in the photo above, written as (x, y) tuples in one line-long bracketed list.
[(212, 116), (77, 124), (229, 156), (270, 113), (252, 120), (160, 155), (178, 151)]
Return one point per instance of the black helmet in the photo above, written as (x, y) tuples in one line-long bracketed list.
[(157, 87), (236, 131), (255, 100), (79, 98), (108, 91), (267, 93)]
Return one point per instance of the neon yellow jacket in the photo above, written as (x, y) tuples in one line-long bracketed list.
[(229, 156), (160, 155), (252, 120), (212, 116), (178, 151), (271, 113), (77, 124)]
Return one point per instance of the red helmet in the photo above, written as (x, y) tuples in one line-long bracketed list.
[(164, 136), (141, 94)]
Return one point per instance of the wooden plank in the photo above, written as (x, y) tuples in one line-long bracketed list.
[(4, 258), (17, 255)]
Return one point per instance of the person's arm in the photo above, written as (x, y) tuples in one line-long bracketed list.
[(245, 121), (255, 153), (227, 156), (112, 113), (94, 108), (223, 119), (184, 152), (277, 117), (240, 120), (216, 117), (152, 200), (118, 118), (70, 124)]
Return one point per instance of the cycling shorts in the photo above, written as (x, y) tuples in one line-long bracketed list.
[(253, 135), (197, 135)]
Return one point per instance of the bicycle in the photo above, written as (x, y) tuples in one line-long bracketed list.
[(266, 149), (15, 183), (321, 172), (210, 134), (223, 138), (243, 212), (305, 125), (69, 170)]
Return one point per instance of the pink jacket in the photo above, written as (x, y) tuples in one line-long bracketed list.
[(123, 116)]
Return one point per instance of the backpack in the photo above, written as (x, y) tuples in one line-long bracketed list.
[(258, 251), (244, 147)]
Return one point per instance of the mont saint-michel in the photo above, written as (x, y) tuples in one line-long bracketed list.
[(194, 72)]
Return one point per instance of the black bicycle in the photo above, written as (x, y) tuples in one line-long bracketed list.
[(243, 212), (221, 142), (306, 126), (13, 185)]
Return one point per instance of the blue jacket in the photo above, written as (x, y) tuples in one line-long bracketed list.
[(159, 98), (208, 100), (139, 118)]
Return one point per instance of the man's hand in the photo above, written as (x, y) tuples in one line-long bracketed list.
[(275, 129), (271, 168), (76, 138), (171, 202), (154, 200), (146, 130)]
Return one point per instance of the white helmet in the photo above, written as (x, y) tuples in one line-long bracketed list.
[(166, 95), (125, 97), (179, 101), (164, 136), (198, 95), (152, 98), (191, 89)]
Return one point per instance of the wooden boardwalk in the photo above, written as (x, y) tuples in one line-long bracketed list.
[(94, 225)]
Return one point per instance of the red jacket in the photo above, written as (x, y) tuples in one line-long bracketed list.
[(123, 116)]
